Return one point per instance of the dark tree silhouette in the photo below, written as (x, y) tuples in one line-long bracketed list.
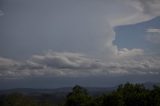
[(78, 97)]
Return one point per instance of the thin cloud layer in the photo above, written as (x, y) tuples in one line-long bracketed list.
[(153, 36)]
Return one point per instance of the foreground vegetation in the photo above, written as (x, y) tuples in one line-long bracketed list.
[(125, 95)]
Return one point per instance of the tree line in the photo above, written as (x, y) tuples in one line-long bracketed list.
[(125, 95)]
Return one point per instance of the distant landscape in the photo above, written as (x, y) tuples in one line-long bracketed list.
[(147, 94)]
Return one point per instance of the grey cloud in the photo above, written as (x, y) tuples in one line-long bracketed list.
[(75, 64), (150, 6), (60, 25), (66, 60), (142, 65), (15, 69), (51, 63)]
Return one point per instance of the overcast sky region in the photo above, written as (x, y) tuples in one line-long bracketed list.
[(56, 43)]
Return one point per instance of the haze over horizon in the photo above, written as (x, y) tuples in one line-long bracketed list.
[(57, 43)]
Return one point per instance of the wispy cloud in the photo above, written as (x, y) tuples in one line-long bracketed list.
[(153, 30), (153, 36)]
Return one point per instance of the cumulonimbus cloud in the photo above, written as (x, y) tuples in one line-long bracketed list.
[(99, 39), (82, 23)]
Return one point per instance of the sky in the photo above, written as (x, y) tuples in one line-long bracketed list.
[(57, 43)]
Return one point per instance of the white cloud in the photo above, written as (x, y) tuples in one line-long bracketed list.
[(126, 53), (153, 30), (134, 11), (130, 12)]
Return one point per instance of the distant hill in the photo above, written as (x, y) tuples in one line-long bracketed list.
[(58, 95), (66, 90)]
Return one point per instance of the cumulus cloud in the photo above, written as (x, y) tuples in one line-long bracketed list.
[(124, 53), (75, 64), (153, 36), (131, 12)]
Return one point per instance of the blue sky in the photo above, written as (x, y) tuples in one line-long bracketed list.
[(78, 42), (134, 36)]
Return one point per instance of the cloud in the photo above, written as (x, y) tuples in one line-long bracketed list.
[(150, 6), (153, 36), (135, 11), (13, 69), (141, 65), (65, 60), (69, 23), (87, 28), (77, 65), (124, 53), (153, 30), (49, 64)]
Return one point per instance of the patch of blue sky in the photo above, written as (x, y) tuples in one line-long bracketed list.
[(134, 36)]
